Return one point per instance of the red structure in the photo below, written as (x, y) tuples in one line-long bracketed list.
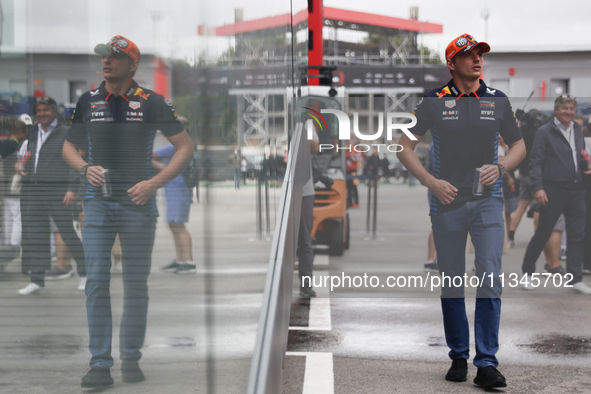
[(363, 21), (266, 40), (161, 79), (315, 42)]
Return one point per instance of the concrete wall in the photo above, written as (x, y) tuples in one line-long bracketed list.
[(554, 68)]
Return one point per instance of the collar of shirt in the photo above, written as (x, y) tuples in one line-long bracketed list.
[(43, 134), (562, 128), (41, 138), (454, 91), (134, 90)]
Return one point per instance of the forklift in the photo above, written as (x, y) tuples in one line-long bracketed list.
[(331, 226)]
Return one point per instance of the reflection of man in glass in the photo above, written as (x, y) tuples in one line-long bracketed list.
[(116, 125), (466, 118)]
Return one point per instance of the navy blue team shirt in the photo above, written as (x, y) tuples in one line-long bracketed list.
[(465, 131), (118, 134)]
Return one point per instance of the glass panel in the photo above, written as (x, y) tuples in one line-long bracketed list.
[(196, 156)]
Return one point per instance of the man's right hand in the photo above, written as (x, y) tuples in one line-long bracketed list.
[(445, 191), (20, 169), (95, 176), (541, 197)]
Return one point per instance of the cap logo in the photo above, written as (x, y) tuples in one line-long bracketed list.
[(461, 41), (121, 43)]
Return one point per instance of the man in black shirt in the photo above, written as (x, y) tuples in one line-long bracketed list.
[(116, 125)]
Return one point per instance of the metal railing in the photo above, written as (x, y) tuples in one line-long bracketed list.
[(271, 341)]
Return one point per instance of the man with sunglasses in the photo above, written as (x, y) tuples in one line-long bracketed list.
[(115, 125), (465, 118), (557, 165)]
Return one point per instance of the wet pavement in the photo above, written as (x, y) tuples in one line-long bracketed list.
[(381, 341), (196, 342), (385, 340)]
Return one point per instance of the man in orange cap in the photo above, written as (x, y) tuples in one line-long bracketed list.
[(116, 124), (465, 118)]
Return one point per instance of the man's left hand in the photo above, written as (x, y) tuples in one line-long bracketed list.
[(69, 198), (141, 192), (587, 171), (489, 175)]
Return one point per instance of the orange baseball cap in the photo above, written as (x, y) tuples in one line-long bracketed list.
[(462, 44), (119, 44)]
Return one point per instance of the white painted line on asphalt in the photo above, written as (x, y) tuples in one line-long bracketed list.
[(234, 271), (319, 375), (319, 317), (301, 328), (320, 313), (321, 259), (319, 372), (321, 291)]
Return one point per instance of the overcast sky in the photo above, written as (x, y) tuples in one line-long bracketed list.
[(511, 24)]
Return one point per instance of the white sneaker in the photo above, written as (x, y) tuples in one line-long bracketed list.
[(582, 288), (31, 288), (528, 285), (82, 283)]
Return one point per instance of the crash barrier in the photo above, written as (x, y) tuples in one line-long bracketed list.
[(271, 340)]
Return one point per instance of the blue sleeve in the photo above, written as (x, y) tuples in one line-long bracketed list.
[(166, 152)]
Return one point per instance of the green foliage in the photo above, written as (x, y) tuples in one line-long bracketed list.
[(211, 116), (430, 56)]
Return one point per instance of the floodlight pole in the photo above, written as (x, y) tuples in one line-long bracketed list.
[(485, 14)]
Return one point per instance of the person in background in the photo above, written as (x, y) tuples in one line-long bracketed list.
[(12, 187), (235, 160), (557, 167), (243, 169), (587, 183), (51, 188), (352, 159), (373, 165), (385, 164), (305, 248), (178, 207)]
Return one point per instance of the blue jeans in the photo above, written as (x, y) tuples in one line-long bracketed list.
[(236, 178), (483, 219), (103, 220)]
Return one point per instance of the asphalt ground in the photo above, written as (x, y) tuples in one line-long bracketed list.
[(202, 328), (385, 340)]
